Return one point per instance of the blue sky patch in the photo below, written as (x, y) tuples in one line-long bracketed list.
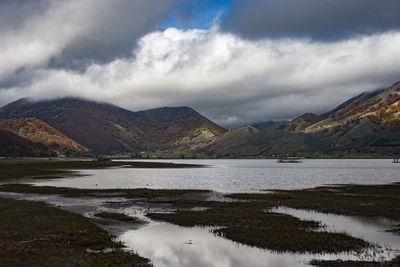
[(198, 14)]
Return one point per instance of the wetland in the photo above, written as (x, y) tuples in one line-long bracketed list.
[(329, 225)]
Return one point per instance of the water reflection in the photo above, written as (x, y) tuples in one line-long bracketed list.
[(170, 245), (369, 229)]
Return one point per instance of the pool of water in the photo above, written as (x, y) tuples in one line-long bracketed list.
[(171, 245), (252, 175)]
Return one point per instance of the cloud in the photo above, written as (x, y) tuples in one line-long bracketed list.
[(230, 79), (75, 32), (316, 19)]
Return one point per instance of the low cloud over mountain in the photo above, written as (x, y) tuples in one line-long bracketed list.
[(238, 71)]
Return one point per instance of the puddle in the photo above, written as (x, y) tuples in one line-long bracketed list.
[(171, 245), (369, 229), (89, 207)]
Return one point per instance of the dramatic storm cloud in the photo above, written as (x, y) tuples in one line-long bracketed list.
[(318, 19), (127, 53), (69, 32)]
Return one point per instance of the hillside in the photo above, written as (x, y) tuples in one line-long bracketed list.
[(38, 131), (369, 121), (301, 123), (12, 145), (107, 129), (269, 125), (168, 127), (248, 141)]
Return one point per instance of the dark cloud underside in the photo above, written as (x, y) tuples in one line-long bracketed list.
[(116, 31), (326, 20)]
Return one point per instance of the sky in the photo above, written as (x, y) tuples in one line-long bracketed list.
[(234, 61)]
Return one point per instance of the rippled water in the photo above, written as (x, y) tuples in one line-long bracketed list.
[(240, 175)]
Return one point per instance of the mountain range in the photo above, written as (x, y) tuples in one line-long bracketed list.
[(369, 122), (108, 129)]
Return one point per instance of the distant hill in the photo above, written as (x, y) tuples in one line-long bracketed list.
[(368, 122), (107, 129), (248, 141), (269, 125), (38, 131)]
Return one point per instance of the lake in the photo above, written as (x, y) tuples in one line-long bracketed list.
[(239, 175)]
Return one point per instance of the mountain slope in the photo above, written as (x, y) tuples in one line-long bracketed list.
[(38, 131), (12, 145), (106, 128), (359, 122), (165, 127), (301, 123), (249, 141)]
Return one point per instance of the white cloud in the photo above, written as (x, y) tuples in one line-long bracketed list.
[(228, 78), (38, 38), (78, 28)]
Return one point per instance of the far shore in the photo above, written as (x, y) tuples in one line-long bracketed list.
[(54, 168)]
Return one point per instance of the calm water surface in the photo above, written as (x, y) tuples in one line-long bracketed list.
[(240, 175)]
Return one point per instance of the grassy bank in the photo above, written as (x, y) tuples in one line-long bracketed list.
[(141, 193), (349, 155), (35, 234), (392, 263), (354, 200), (45, 169), (274, 231), (117, 216)]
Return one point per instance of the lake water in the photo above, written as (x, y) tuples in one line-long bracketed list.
[(252, 175)]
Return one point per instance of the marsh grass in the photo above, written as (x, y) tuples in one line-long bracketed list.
[(338, 263), (160, 195), (118, 216), (35, 234), (47, 169), (274, 231), (352, 200)]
